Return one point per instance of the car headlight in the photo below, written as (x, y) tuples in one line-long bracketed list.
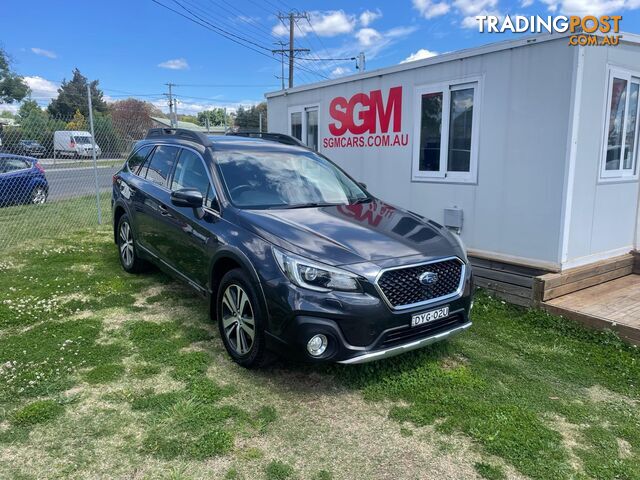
[(314, 276)]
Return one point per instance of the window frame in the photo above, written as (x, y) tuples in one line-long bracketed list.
[(149, 159), (442, 175), (302, 109), (621, 174), (144, 160), (212, 185)]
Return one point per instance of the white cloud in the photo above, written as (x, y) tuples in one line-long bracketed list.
[(474, 7), (590, 7), (175, 64), (325, 24), (368, 36), (44, 53), (368, 16), (419, 55), (526, 3), (429, 9), (41, 88), (340, 71)]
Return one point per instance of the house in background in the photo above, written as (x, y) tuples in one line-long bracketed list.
[(528, 148)]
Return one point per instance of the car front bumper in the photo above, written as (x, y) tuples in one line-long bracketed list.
[(360, 328)]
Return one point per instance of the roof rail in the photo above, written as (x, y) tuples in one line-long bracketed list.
[(180, 133), (272, 136)]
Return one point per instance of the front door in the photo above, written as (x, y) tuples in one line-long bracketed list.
[(192, 234)]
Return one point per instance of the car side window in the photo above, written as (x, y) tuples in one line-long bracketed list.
[(160, 164), (137, 158), (13, 164), (191, 173)]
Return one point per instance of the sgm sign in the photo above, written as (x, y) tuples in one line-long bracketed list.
[(371, 120)]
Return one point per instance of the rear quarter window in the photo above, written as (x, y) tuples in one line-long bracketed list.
[(137, 158)]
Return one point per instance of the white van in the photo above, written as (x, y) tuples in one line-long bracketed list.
[(73, 143)]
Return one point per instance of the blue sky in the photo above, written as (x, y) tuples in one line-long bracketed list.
[(136, 46)]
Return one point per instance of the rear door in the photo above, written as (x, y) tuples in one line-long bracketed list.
[(16, 180), (152, 200)]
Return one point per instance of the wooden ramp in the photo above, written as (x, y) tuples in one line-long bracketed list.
[(614, 304)]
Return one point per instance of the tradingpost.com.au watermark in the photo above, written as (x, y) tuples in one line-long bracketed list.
[(586, 30)]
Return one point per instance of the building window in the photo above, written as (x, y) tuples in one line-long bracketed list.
[(447, 132), (303, 125), (296, 125), (619, 155)]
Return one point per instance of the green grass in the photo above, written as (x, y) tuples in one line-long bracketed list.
[(110, 374), (22, 225), (506, 382), (277, 470)]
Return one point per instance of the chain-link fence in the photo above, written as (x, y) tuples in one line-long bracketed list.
[(55, 174)]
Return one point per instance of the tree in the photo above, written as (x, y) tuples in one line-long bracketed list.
[(78, 122), (12, 86), (188, 118), (215, 116), (72, 96), (132, 118), (249, 119), (27, 108)]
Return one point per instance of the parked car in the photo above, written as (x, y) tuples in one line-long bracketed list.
[(22, 180), (294, 255), (74, 143), (29, 148)]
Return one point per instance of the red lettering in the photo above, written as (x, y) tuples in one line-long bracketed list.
[(338, 111), (394, 105)]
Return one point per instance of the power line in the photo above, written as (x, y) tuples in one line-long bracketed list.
[(222, 32)]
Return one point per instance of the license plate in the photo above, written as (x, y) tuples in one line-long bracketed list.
[(430, 316)]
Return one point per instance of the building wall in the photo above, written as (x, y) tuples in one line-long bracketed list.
[(603, 215), (514, 209)]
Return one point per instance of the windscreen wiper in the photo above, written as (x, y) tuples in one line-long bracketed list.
[(311, 205)]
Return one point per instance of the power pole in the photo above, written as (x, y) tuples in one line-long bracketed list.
[(360, 63), (281, 51), (172, 117), (292, 17)]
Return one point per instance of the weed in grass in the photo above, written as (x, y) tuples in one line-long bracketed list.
[(144, 370), (323, 475), (37, 412), (277, 470), (488, 471), (406, 432), (105, 373), (232, 474), (251, 453)]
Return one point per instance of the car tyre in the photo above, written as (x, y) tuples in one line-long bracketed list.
[(38, 195), (241, 320), (129, 258)]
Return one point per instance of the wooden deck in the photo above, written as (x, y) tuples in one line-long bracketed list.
[(614, 304)]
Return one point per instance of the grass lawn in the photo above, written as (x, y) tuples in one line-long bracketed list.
[(104, 374)]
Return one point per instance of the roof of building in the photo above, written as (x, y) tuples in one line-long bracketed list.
[(445, 57), (187, 125)]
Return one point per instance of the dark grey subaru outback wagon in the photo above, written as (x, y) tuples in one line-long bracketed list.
[(295, 256)]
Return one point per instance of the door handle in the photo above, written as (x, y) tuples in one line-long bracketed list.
[(164, 211)]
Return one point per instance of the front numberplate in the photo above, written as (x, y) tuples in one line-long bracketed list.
[(430, 316)]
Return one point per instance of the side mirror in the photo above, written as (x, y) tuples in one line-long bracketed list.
[(363, 185), (187, 197)]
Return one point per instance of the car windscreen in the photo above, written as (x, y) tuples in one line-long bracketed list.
[(282, 179), (83, 140)]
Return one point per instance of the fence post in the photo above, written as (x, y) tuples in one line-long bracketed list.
[(93, 150)]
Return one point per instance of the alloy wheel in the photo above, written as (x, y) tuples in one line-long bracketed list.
[(126, 244), (39, 195), (238, 321)]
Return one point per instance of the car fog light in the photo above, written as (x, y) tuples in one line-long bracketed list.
[(317, 345)]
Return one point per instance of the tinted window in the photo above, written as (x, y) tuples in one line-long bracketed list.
[(190, 173), (284, 179), (137, 158), (160, 164), (12, 164)]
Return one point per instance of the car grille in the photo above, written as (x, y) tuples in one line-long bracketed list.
[(401, 287), (410, 334)]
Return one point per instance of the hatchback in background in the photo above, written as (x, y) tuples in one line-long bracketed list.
[(22, 180), (29, 148)]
